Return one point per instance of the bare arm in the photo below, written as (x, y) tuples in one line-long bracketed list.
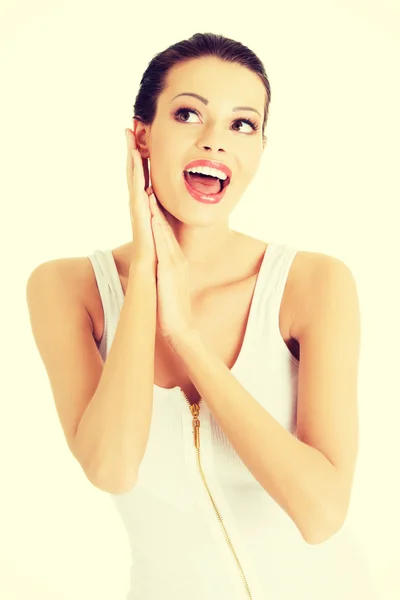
[(113, 431)]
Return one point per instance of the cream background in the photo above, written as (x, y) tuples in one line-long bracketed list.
[(328, 182)]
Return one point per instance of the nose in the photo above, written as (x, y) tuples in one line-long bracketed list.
[(210, 139), (203, 146)]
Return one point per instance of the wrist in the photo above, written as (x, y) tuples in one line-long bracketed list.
[(184, 339), (143, 266)]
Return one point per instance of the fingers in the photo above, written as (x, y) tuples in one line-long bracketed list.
[(135, 164), (129, 155), (138, 174)]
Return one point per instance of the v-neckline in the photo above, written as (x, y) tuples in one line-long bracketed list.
[(249, 326)]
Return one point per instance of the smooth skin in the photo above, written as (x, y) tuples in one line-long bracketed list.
[(212, 131), (326, 319)]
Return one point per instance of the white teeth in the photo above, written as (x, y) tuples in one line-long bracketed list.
[(208, 171)]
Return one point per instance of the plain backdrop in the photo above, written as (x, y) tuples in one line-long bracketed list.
[(328, 182)]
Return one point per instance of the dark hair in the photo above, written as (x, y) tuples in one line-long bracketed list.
[(154, 78)]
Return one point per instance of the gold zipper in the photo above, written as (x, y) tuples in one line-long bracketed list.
[(195, 410)]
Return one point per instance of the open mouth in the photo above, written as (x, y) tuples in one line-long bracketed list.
[(206, 184)]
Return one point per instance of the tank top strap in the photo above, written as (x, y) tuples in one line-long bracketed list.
[(277, 269), (106, 276), (110, 291), (271, 282)]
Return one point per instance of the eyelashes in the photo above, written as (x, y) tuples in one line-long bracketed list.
[(184, 109)]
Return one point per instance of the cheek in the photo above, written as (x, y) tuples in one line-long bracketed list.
[(252, 163), (164, 151), (164, 168), (166, 156)]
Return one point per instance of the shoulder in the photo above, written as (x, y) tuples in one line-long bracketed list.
[(74, 274), (318, 278), (72, 271)]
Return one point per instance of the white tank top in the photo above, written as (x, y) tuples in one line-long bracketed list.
[(240, 545)]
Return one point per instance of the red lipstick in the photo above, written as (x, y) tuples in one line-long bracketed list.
[(203, 197)]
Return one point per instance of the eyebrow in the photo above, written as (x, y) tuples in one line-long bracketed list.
[(205, 101)]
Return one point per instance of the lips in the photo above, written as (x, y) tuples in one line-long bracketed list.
[(208, 183), (211, 164)]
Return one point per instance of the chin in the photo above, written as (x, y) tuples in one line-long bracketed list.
[(178, 205)]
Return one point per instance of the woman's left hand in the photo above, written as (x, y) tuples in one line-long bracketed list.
[(174, 311)]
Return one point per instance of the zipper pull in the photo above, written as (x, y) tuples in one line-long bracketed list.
[(196, 424)]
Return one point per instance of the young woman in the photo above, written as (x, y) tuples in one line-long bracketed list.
[(205, 378)]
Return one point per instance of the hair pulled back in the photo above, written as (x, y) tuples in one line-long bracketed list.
[(154, 79)]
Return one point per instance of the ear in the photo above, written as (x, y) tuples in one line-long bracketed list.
[(141, 132)]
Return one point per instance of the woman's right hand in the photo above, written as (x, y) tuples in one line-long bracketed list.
[(137, 174)]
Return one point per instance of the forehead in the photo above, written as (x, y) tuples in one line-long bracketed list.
[(216, 80)]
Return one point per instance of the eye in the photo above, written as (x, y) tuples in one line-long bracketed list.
[(253, 126), (184, 110)]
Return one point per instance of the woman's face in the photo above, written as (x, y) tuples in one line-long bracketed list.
[(211, 130)]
